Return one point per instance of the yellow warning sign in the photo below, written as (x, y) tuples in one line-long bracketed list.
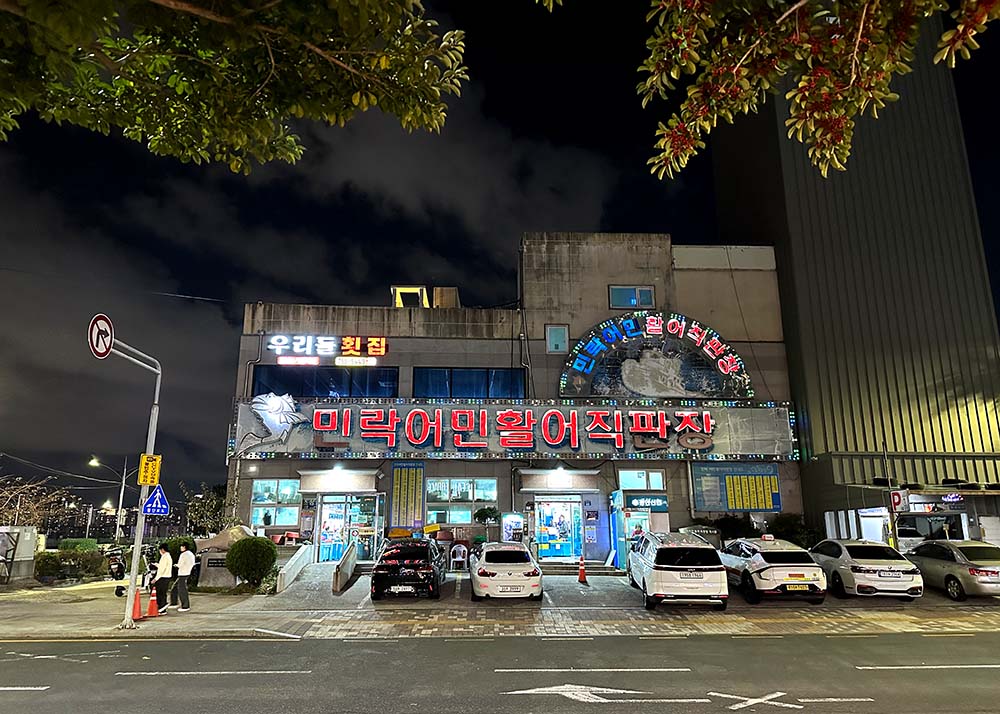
[(149, 469)]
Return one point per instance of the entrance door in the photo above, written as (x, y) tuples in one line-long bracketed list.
[(350, 518), (559, 528)]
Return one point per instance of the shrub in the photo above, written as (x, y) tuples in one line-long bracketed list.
[(251, 559), (78, 544), (83, 562), (269, 585), (47, 565), (791, 527)]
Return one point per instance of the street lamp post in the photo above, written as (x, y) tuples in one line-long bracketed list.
[(95, 462)]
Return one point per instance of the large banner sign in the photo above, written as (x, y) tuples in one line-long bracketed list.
[(654, 354), (476, 429), (407, 507), (735, 487)]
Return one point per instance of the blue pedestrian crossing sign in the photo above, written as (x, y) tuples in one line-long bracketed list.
[(156, 504)]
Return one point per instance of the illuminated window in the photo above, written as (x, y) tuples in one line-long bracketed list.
[(628, 297), (460, 383), (556, 339), (455, 501), (640, 480), (269, 497)]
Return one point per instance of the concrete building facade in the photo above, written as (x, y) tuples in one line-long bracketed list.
[(635, 384)]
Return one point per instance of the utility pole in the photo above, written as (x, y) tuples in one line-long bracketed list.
[(893, 529)]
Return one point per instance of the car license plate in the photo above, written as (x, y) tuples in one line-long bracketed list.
[(889, 574), (509, 588), (692, 576), (401, 589), (797, 587)]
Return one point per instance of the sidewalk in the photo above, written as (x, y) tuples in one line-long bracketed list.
[(605, 607)]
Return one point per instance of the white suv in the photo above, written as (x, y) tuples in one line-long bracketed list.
[(774, 568), (865, 567), (671, 567)]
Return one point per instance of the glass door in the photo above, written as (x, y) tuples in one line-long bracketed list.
[(350, 518), (333, 528), (559, 529)]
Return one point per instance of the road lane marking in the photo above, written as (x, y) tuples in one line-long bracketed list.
[(24, 689), (663, 637), (593, 669), (468, 639), (458, 585), (832, 700), (231, 671), (768, 699), (565, 639), (592, 695), (277, 634), (850, 637), (950, 634), (930, 666)]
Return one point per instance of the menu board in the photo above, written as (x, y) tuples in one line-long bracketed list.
[(736, 486), (407, 508)]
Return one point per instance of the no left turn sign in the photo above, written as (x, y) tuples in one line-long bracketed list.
[(101, 335)]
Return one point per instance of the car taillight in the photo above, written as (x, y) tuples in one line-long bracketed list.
[(863, 569), (484, 573), (380, 568), (533, 573), (980, 573), (425, 569)]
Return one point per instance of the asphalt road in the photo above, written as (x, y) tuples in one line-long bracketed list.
[(890, 674)]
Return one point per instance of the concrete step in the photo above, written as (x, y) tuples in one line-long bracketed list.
[(568, 569)]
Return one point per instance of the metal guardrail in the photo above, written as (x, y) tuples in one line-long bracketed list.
[(345, 567)]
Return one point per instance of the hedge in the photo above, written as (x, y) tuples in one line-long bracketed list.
[(78, 544), (251, 559), (47, 565)]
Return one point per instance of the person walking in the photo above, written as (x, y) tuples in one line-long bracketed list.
[(185, 564), (164, 571)]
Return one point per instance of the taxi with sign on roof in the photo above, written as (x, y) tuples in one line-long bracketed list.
[(768, 567)]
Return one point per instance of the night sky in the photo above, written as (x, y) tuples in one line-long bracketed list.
[(549, 135)]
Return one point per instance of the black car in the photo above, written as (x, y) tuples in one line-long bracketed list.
[(409, 567)]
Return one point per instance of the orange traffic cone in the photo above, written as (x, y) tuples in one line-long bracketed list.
[(137, 607), (583, 572), (153, 610)]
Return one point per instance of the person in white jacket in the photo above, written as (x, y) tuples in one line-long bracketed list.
[(164, 571), (185, 564)]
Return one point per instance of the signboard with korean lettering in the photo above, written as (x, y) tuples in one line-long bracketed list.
[(735, 487), (654, 354), (407, 507), (345, 351), (656, 503), (429, 428)]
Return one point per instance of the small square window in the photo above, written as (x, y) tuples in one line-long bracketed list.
[(626, 297), (556, 339)]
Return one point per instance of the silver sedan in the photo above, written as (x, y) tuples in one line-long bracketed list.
[(959, 567)]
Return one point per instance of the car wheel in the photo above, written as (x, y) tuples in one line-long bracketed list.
[(376, 594), (816, 600), (720, 606), (953, 588), (648, 602), (631, 580), (750, 593), (536, 598), (476, 597), (434, 592), (837, 586), (907, 598)]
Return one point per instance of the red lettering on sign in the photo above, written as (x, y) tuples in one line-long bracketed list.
[(420, 426), (563, 425), (463, 421), (380, 424), (516, 428)]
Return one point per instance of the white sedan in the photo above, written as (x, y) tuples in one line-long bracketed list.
[(865, 567), (505, 570)]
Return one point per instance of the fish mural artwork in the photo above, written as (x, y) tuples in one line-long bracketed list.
[(279, 415)]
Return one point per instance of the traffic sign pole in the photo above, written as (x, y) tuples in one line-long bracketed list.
[(101, 328)]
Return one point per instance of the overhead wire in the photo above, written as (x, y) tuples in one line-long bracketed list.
[(57, 472)]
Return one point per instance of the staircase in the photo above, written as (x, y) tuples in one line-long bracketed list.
[(594, 568)]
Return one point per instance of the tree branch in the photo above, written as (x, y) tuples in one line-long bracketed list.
[(181, 6), (857, 44), (270, 74), (755, 45), (12, 7)]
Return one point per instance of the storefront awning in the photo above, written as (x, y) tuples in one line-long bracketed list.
[(338, 480), (559, 480)]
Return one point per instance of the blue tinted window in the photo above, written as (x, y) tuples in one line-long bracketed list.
[(431, 383), (326, 382), (507, 384), (461, 383), (469, 384), (374, 382), (629, 296)]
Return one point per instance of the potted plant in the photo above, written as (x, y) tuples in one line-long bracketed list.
[(487, 516)]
